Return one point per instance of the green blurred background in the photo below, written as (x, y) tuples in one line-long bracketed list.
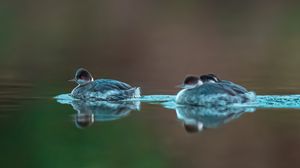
[(152, 44)]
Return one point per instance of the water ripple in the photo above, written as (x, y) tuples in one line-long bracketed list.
[(168, 101)]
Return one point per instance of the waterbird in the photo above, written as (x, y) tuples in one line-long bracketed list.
[(101, 89), (210, 90)]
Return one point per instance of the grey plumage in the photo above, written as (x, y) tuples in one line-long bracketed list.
[(105, 89), (214, 94), (235, 87)]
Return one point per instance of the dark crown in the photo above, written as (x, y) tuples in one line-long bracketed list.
[(191, 80)]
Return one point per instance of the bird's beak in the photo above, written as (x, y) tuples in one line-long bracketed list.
[(72, 80)]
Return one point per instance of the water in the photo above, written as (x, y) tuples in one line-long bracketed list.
[(154, 132), (151, 44)]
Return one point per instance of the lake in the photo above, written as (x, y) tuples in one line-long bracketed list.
[(153, 45)]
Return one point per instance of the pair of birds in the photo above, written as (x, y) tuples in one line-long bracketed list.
[(194, 89)]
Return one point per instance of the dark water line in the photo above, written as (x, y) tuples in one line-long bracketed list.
[(14, 85)]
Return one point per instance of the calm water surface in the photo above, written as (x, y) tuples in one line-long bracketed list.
[(151, 44), (37, 131)]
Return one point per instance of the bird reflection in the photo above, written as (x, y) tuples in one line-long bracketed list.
[(89, 112), (196, 119)]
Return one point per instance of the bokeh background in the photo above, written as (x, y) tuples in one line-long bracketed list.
[(152, 44)]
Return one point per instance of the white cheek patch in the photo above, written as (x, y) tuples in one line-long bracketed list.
[(189, 86), (81, 82), (194, 85), (212, 81), (200, 83)]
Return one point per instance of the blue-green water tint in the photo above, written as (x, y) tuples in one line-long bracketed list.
[(152, 45), (47, 135), (277, 101), (194, 118), (261, 101), (39, 132), (168, 101), (67, 99), (44, 133)]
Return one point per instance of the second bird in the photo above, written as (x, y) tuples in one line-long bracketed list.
[(209, 90)]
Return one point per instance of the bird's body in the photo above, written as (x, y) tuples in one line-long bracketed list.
[(213, 91), (102, 89)]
